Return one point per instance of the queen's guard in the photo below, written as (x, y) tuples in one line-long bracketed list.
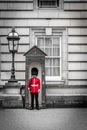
[(34, 87)]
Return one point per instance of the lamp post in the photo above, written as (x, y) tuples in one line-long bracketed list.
[(13, 97), (13, 42)]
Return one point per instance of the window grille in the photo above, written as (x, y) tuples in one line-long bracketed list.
[(48, 3)]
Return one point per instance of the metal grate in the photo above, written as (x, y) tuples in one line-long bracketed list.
[(48, 3)]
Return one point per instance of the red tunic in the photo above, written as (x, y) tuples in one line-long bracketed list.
[(34, 85)]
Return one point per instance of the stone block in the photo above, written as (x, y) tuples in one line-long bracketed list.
[(23, 48), (69, 14), (76, 48), (80, 83), (18, 66), (59, 22), (77, 75), (15, 6), (66, 101), (78, 40), (77, 66), (11, 97), (75, 6), (77, 57), (67, 91), (6, 75), (78, 23), (74, 31), (12, 103)]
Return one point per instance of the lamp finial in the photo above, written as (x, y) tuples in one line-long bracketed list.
[(13, 29)]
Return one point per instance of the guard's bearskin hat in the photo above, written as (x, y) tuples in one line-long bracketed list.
[(34, 71)]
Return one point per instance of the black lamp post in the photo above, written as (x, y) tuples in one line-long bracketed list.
[(13, 98), (13, 42)]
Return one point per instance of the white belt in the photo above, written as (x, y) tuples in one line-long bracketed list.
[(34, 84)]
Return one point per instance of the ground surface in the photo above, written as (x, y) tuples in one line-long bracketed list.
[(44, 119)]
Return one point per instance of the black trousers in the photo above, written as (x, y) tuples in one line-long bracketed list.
[(36, 100)]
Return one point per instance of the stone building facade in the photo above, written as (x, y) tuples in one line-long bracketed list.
[(58, 28)]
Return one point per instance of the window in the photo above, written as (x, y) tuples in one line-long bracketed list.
[(52, 47), (48, 3)]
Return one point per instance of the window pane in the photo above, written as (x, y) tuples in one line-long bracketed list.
[(56, 71), (47, 71), (40, 42), (48, 51), (48, 46), (56, 46), (56, 42), (56, 52), (48, 62), (56, 62), (48, 42)]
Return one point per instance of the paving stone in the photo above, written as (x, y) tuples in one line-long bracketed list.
[(44, 119)]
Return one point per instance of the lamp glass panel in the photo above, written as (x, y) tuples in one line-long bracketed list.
[(10, 45), (16, 45)]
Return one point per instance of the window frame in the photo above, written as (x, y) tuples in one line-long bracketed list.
[(59, 7), (53, 78), (49, 6)]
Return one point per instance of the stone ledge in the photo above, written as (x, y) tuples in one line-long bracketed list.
[(65, 94), (11, 101), (66, 101), (63, 86), (12, 104), (11, 85), (10, 96)]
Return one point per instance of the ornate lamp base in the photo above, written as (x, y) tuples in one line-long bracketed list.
[(11, 95), (12, 87)]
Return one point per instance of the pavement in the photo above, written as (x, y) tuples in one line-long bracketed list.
[(44, 119)]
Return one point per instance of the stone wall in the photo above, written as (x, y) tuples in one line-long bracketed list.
[(30, 21)]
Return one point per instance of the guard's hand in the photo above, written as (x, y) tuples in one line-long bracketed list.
[(39, 91)]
